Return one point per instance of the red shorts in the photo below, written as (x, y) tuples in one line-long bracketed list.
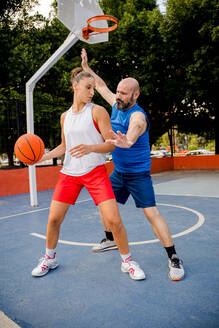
[(96, 182)]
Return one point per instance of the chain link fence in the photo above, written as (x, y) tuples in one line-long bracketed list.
[(13, 125)]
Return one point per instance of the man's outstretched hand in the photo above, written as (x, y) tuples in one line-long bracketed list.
[(120, 140)]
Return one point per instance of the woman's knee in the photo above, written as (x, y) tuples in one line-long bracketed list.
[(109, 210), (115, 223), (55, 220)]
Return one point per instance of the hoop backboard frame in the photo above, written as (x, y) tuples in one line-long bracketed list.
[(74, 14)]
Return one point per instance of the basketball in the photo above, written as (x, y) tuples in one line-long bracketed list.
[(29, 148)]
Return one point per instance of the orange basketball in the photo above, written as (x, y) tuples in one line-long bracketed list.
[(29, 148)]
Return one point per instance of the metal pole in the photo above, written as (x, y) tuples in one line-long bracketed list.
[(30, 85)]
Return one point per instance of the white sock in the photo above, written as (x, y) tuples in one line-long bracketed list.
[(126, 257), (50, 252)]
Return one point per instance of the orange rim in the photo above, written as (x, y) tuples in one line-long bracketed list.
[(89, 29)]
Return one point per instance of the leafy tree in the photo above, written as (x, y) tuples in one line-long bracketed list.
[(10, 7), (173, 57), (135, 49), (17, 35), (190, 32), (26, 44)]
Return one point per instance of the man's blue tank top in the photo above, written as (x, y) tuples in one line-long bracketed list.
[(136, 158)]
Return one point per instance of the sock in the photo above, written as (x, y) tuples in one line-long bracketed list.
[(50, 252), (109, 235), (126, 257), (170, 251)]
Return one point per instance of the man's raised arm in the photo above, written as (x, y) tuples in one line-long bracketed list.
[(101, 86)]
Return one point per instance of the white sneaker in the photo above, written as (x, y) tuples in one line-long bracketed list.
[(134, 270), (45, 264), (105, 245), (176, 269)]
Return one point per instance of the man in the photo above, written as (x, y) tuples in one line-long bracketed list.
[(132, 163)]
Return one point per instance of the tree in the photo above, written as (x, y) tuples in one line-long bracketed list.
[(10, 7), (136, 49), (173, 57), (17, 35), (25, 45), (189, 30)]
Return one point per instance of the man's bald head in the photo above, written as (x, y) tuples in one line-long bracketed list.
[(127, 93), (131, 83)]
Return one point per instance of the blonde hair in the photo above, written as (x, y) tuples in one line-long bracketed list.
[(77, 74)]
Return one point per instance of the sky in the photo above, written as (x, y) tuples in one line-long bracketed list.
[(161, 4), (44, 6)]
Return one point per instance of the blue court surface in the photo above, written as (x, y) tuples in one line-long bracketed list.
[(89, 290)]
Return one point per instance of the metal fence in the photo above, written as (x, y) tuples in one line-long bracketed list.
[(13, 125)]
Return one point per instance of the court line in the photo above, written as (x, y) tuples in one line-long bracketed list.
[(39, 210), (81, 201), (201, 220), (187, 195)]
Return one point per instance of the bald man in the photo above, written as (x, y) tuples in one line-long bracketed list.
[(132, 163)]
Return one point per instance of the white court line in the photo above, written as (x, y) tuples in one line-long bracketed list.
[(201, 220), (24, 213), (187, 195), (39, 210), (6, 322), (74, 243), (82, 201)]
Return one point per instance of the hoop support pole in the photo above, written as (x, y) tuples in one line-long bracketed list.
[(30, 85)]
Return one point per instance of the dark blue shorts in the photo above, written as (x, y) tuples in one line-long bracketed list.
[(139, 185)]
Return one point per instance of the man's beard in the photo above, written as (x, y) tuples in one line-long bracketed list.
[(123, 106)]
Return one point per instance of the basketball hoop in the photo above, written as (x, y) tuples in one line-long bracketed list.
[(89, 29)]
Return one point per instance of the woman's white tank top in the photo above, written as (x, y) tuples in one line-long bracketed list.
[(79, 128)]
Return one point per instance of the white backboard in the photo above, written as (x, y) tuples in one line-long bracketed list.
[(74, 15)]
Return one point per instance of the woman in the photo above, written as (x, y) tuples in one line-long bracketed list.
[(84, 127)]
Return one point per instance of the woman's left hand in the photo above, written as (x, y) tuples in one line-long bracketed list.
[(80, 150)]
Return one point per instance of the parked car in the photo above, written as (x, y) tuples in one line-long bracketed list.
[(108, 157), (157, 154), (160, 153), (165, 153), (199, 152)]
